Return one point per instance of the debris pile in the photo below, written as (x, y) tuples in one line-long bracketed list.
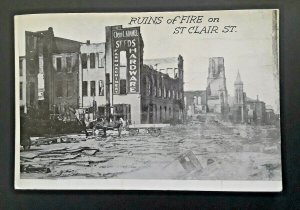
[(203, 151)]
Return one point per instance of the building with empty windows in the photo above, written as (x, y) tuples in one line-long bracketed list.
[(22, 84), (109, 79), (92, 79), (195, 102), (162, 90), (51, 73)]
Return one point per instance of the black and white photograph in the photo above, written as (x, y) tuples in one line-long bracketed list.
[(148, 101)]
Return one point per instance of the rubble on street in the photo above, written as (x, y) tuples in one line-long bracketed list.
[(198, 150)]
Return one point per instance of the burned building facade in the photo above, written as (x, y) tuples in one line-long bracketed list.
[(51, 72), (101, 79), (195, 102), (162, 90)]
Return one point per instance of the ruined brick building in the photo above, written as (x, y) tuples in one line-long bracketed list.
[(51, 72), (101, 79)]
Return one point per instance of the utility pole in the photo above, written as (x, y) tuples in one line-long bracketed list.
[(107, 94)]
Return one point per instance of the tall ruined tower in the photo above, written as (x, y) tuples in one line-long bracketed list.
[(217, 96)]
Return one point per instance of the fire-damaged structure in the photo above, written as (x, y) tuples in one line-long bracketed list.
[(51, 73), (109, 80), (162, 90), (216, 91), (215, 100)]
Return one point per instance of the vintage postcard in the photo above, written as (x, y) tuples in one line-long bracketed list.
[(148, 101)]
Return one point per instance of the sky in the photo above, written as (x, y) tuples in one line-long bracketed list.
[(248, 49)]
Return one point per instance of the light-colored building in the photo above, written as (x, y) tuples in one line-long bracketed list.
[(92, 79), (143, 91)]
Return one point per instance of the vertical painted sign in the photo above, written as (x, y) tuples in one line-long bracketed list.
[(128, 40), (41, 79)]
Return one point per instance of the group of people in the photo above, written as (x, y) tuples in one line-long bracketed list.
[(104, 125)]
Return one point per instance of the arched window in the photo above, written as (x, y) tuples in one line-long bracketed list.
[(160, 114), (195, 99), (148, 86), (165, 112), (199, 100), (154, 113), (153, 86), (159, 86), (92, 60)]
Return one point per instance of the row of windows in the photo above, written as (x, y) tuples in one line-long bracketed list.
[(157, 113), (68, 64), (92, 57), (93, 88), (172, 94), (197, 100)]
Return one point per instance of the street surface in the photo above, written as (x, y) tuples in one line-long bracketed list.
[(198, 150)]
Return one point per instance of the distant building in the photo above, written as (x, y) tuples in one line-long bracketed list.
[(215, 99), (195, 102), (217, 96), (239, 110), (271, 118), (256, 110)]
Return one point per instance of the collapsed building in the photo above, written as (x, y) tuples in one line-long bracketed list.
[(107, 79)]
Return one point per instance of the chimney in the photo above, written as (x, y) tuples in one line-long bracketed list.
[(88, 42)]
